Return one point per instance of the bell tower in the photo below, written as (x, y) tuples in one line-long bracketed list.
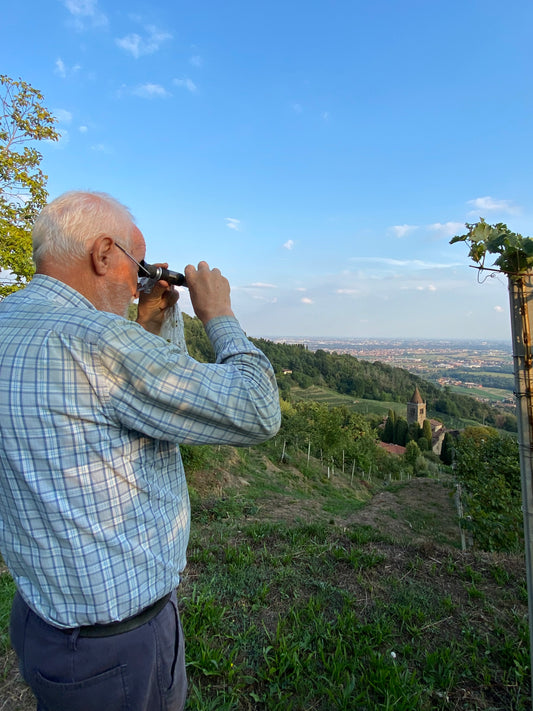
[(416, 409)]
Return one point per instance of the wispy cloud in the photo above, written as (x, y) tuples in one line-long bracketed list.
[(418, 287), (196, 61), (85, 13), (150, 91), (306, 300), (139, 46), (233, 223), (499, 309), (406, 263), (289, 244), (186, 84), (448, 229), (489, 204), (263, 285), (62, 70), (403, 230), (62, 115)]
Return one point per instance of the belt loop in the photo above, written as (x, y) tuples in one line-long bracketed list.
[(73, 639)]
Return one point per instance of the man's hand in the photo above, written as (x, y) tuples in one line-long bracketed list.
[(152, 306), (210, 292)]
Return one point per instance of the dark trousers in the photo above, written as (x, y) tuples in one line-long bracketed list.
[(139, 670)]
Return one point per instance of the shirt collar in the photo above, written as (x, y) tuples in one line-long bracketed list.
[(44, 286)]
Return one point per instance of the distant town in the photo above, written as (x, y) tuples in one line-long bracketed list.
[(482, 369)]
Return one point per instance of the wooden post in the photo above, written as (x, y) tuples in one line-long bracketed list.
[(521, 303)]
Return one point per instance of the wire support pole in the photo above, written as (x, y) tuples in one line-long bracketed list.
[(521, 303)]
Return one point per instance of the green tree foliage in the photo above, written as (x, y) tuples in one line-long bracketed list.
[(401, 431), (426, 433), (198, 343), (447, 450), (423, 445), (412, 453), (488, 466), (388, 429), (23, 120), (414, 432), (362, 379), (330, 432)]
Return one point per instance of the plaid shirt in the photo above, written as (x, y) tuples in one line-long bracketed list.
[(94, 509)]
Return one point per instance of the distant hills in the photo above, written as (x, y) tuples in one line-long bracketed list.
[(297, 365)]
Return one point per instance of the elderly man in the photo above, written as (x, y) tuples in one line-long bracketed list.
[(94, 510)]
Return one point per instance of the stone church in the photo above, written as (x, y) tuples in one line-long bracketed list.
[(416, 412)]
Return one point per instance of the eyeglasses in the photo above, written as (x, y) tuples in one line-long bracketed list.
[(142, 272), (149, 274)]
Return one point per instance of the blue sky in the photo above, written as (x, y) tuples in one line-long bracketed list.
[(320, 153)]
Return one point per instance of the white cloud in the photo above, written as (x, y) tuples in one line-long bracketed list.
[(62, 70), (347, 291), (499, 309), (83, 129), (403, 230), (289, 244), (151, 91), (258, 297), (448, 229), (139, 46), (306, 300), (233, 223), (263, 285), (406, 263), (186, 84), (86, 13), (196, 61), (417, 287), (62, 115), (489, 204), (101, 148)]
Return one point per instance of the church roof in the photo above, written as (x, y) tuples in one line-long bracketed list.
[(417, 398)]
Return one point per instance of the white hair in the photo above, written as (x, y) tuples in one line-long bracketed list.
[(66, 226)]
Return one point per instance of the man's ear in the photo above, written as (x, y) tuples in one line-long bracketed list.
[(101, 254)]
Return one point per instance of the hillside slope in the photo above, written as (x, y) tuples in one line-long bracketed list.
[(307, 592)]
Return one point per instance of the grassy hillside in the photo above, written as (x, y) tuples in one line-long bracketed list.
[(307, 592), (298, 368), (334, 399)]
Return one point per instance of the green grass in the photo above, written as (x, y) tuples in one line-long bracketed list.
[(334, 399), (293, 614), (289, 604), (492, 394), (7, 591), (308, 616)]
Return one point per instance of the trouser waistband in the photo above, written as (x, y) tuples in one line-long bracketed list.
[(130, 623)]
